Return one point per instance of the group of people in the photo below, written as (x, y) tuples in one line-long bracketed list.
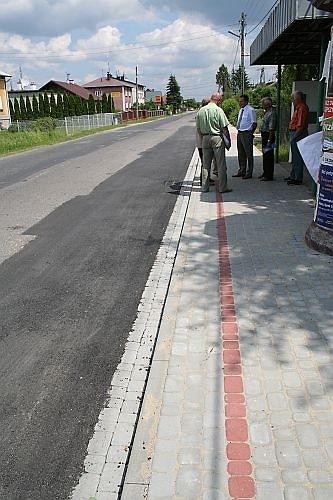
[(213, 138)]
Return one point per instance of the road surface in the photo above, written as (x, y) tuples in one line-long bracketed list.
[(80, 225)]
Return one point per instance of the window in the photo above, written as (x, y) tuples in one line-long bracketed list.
[(1, 105), (98, 93)]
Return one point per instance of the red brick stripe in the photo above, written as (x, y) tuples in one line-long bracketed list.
[(241, 483)]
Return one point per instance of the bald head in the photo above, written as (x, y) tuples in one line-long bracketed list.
[(216, 97)]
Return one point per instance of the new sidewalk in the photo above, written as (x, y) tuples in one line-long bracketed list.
[(238, 402)]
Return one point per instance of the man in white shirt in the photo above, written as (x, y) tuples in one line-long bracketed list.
[(246, 125)]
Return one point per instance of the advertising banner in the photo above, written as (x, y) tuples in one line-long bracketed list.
[(324, 208)]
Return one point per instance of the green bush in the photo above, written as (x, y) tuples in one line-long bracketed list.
[(46, 124), (13, 128), (231, 108)]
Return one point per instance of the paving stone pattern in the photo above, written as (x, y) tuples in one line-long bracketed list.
[(282, 294)]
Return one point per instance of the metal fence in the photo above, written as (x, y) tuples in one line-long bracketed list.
[(72, 124), (87, 122)]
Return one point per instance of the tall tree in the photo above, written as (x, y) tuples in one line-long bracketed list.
[(47, 110), (91, 105), (41, 113), (71, 105), (113, 108), (17, 111), (98, 107), (104, 103), (66, 105), (23, 114), (12, 110), (35, 108), (53, 106), (60, 106), (236, 80), (109, 106), (223, 78), (30, 115), (174, 97)]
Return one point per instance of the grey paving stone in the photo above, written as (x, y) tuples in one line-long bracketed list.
[(277, 401), (297, 493), (291, 379), (320, 476), (260, 433), (164, 461), (94, 464), (264, 455), (270, 474), (308, 436), (189, 456), (211, 494), (315, 458), (189, 482), (162, 485), (169, 427), (134, 492), (288, 454), (271, 491), (323, 492), (111, 477), (294, 476)]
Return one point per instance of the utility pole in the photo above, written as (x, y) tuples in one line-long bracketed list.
[(241, 38), (242, 43), (136, 92)]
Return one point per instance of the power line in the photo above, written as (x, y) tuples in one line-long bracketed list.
[(263, 19), (106, 50)]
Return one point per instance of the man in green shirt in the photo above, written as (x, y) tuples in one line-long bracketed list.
[(212, 124)]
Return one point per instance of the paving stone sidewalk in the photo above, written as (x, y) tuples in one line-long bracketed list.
[(283, 295)]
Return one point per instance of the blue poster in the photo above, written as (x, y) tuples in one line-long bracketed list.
[(324, 212)]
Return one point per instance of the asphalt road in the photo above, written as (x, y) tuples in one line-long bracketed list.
[(69, 293)]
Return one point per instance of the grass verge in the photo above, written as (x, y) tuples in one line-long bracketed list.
[(14, 142)]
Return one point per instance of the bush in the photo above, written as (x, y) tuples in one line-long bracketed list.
[(13, 128), (43, 124), (231, 108)]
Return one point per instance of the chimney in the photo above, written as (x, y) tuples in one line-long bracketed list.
[(108, 75)]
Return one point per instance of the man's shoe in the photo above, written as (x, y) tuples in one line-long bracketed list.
[(294, 183), (226, 191), (211, 182), (288, 179), (266, 179), (205, 190), (238, 175), (248, 176), (261, 176)]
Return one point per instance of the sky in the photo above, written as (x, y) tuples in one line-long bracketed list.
[(187, 38)]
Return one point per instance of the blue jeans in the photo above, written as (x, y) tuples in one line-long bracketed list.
[(297, 161)]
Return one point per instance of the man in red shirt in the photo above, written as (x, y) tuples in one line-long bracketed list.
[(298, 128)]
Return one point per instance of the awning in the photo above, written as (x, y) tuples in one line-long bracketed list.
[(291, 35)]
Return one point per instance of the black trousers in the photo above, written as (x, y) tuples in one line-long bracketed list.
[(267, 158)]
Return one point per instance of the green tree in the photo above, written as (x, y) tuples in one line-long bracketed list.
[(110, 102), (30, 115), (85, 109), (236, 80), (98, 106), (104, 103), (41, 106), (223, 79), (91, 105), (66, 105), (17, 111), (23, 114), (60, 106), (47, 110), (35, 108), (53, 106), (71, 105), (12, 110), (296, 72), (174, 97)]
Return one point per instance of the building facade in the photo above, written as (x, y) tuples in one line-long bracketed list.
[(122, 91), (4, 101)]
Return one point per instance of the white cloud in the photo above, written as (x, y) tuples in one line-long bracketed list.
[(55, 17)]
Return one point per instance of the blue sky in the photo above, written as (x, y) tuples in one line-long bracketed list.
[(188, 38)]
